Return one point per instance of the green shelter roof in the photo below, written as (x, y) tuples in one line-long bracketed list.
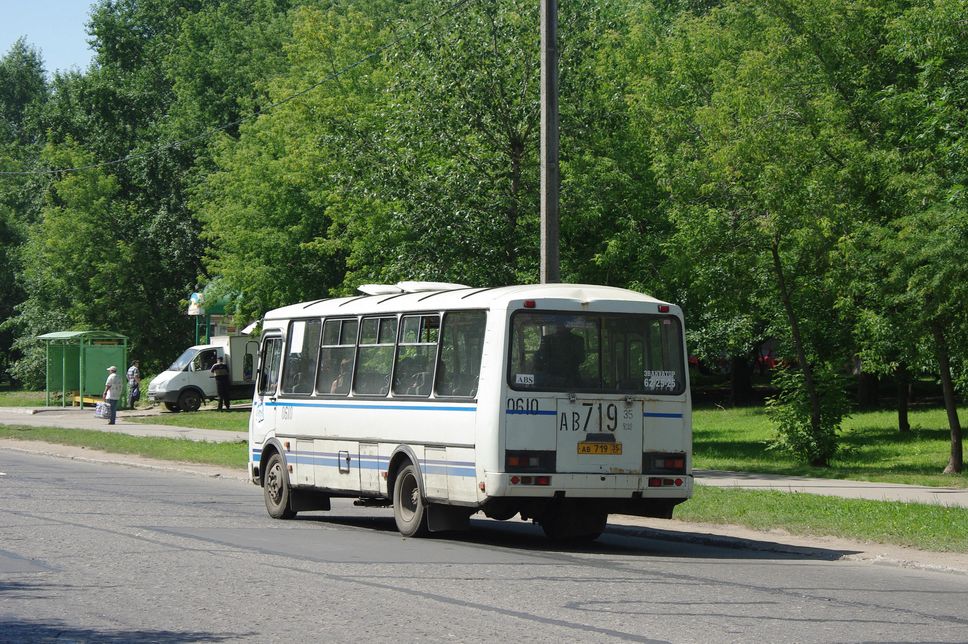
[(82, 335)]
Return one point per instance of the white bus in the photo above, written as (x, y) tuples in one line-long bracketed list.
[(561, 403)]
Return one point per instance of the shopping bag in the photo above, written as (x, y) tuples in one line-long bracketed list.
[(101, 410)]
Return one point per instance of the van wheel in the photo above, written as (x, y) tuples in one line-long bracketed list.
[(409, 510), (189, 400), (275, 489), (172, 407)]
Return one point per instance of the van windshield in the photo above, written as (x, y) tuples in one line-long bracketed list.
[(183, 360), (594, 352)]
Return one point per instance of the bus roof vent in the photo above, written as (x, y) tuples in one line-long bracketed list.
[(419, 287), (379, 289)]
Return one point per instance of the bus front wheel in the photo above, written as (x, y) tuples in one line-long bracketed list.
[(409, 510), (275, 489)]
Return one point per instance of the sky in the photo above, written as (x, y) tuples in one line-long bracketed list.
[(55, 27)]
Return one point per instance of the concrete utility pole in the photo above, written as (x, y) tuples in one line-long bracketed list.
[(550, 262)]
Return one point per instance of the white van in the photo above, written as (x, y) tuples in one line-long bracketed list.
[(188, 382)]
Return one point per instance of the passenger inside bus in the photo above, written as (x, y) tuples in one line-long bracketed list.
[(341, 383), (557, 360), (412, 377)]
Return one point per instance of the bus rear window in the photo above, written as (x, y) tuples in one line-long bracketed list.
[(596, 353)]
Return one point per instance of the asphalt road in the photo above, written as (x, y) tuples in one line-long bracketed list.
[(109, 553)]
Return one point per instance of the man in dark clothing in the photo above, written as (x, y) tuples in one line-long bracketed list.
[(220, 371), (559, 357)]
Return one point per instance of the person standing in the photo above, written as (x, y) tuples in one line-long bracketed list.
[(134, 383), (112, 393), (220, 371)]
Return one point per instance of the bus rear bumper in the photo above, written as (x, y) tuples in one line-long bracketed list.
[(589, 486)]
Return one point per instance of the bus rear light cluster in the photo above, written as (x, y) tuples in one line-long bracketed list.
[(529, 461), (523, 461), (530, 480), (660, 463), (674, 463), (658, 481)]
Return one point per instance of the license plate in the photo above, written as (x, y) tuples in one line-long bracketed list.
[(587, 447)]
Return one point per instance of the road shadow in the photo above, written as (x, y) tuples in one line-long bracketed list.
[(22, 630), (616, 540)]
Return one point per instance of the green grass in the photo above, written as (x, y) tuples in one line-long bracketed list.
[(871, 447), (234, 421), (925, 527), (24, 399), (232, 455)]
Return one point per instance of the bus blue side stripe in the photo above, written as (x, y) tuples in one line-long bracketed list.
[(386, 407), (329, 459), (531, 412), (548, 412)]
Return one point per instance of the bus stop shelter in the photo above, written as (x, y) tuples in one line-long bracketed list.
[(77, 363)]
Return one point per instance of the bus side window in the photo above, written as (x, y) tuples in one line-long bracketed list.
[(299, 367), (461, 345), (413, 374), (336, 357), (375, 356)]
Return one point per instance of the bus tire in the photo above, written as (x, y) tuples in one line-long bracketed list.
[(275, 489), (189, 400), (172, 407), (409, 510)]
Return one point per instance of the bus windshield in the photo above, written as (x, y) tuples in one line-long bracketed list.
[(596, 353)]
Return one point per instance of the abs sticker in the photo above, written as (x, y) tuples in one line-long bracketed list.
[(525, 379), (660, 381)]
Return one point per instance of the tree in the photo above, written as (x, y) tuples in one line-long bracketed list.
[(924, 106), (23, 92), (755, 169), (276, 206), (166, 74), (75, 265)]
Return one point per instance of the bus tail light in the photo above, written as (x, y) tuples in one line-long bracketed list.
[(529, 461), (661, 463), (530, 480), (663, 308), (658, 481)]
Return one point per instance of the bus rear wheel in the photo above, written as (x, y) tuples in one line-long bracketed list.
[(275, 489), (409, 509)]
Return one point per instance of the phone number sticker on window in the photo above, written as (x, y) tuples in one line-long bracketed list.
[(660, 381)]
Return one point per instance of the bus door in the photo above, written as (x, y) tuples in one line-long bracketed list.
[(263, 419)]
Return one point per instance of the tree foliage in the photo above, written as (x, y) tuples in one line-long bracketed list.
[(791, 171)]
